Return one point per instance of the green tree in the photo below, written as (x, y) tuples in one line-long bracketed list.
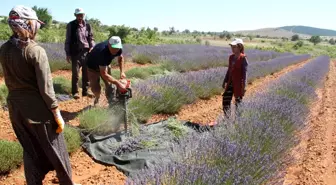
[(332, 41), (186, 31), (171, 30), (44, 15), (5, 31), (295, 37), (298, 45), (250, 37), (284, 38), (4, 20), (315, 39), (94, 23), (121, 31), (228, 36)]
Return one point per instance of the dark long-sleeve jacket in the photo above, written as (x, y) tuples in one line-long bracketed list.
[(237, 74), (78, 36), (28, 78)]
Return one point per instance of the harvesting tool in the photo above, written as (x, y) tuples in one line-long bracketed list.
[(124, 96)]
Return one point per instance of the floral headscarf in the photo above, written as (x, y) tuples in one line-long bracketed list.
[(22, 20)]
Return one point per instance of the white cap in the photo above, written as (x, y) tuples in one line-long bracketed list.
[(79, 11), (115, 42), (24, 12), (237, 41)]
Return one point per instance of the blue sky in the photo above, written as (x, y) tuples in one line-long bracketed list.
[(208, 15)]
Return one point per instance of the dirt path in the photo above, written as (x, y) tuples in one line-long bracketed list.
[(316, 154), (207, 111)]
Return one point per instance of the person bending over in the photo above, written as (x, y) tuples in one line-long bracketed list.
[(98, 63)]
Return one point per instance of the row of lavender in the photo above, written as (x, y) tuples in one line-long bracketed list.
[(168, 93), (250, 149), (180, 58)]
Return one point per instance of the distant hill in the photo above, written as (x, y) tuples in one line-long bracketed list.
[(309, 30), (288, 31), (271, 32)]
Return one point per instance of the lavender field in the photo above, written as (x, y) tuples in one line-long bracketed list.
[(250, 149)]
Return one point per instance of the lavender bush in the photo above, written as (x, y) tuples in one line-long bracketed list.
[(251, 148), (168, 93)]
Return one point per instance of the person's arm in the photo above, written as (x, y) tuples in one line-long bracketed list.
[(45, 84), (104, 74), (43, 77), (121, 63), (91, 39), (67, 40), (226, 79), (245, 65)]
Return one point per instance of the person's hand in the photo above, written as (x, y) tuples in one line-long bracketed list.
[(224, 85), (122, 75), (59, 120), (68, 59), (123, 85), (90, 50)]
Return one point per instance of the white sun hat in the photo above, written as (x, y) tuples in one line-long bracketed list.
[(236, 41), (115, 42), (79, 11)]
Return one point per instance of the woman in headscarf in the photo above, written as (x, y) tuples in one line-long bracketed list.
[(234, 83), (33, 108)]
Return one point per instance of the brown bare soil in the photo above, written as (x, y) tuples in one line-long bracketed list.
[(316, 154)]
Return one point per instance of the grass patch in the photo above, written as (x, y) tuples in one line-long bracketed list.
[(143, 58), (3, 95), (62, 85), (102, 121), (176, 128), (145, 72), (142, 108), (59, 65), (11, 156), (148, 144), (72, 139)]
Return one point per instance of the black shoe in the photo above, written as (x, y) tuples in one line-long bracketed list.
[(90, 95), (76, 96)]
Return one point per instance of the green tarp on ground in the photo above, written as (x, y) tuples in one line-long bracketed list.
[(133, 153)]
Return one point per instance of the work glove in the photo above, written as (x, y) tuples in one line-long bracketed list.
[(59, 120)]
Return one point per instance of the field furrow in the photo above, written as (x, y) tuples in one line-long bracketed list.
[(316, 154)]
